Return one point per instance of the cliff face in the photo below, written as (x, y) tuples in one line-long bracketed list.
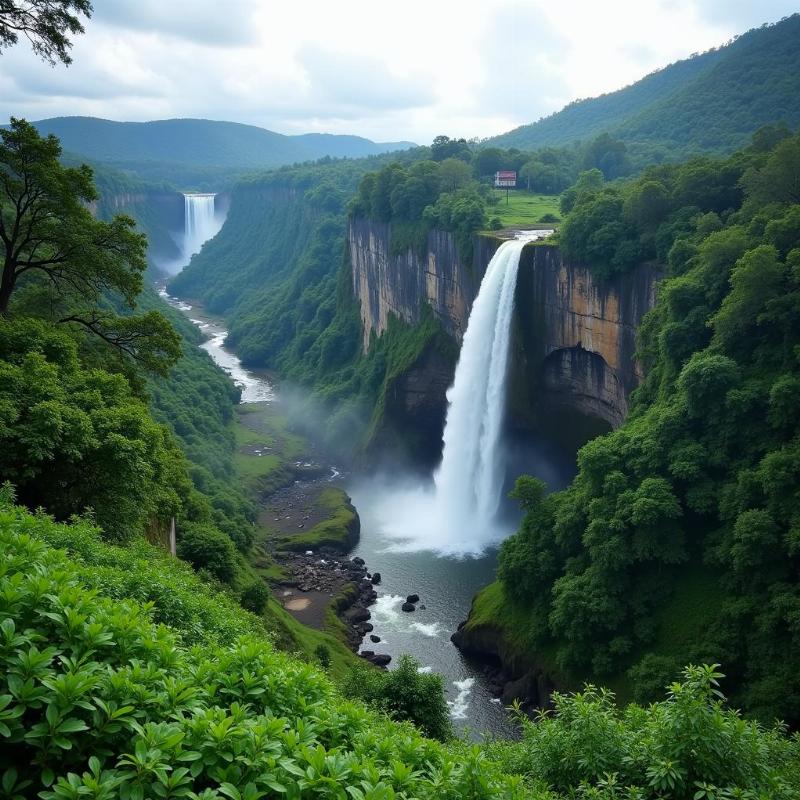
[(387, 284), (574, 335)]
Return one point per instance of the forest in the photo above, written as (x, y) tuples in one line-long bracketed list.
[(666, 571), (694, 499)]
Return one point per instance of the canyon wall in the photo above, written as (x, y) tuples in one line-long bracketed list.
[(574, 337), (387, 283)]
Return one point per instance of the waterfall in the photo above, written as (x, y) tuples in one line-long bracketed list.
[(470, 479), (458, 514), (201, 223)]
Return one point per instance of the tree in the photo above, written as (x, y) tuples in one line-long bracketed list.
[(204, 547), (779, 180), (444, 147), (404, 693), (488, 161), (47, 232), (47, 24), (454, 174), (74, 438)]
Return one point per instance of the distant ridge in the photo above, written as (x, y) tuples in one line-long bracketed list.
[(709, 102), (201, 143)]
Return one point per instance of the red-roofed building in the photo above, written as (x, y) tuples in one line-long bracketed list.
[(505, 179)]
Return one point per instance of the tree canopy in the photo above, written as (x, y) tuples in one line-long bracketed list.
[(46, 24), (77, 263)]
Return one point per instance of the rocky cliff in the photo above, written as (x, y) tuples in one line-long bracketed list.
[(574, 335), (575, 338), (387, 283)]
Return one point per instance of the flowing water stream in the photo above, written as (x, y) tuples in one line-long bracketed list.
[(437, 539)]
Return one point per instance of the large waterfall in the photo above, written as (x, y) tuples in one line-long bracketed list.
[(458, 515), (471, 476), (201, 223)]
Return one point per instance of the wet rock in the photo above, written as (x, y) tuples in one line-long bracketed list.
[(359, 562), (368, 654), (376, 578), (358, 615), (373, 638), (412, 598), (381, 659), (422, 606), (408, 607)]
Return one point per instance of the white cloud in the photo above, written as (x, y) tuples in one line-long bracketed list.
[(387, 71)]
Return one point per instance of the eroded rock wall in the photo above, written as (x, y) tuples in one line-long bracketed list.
[(575, 338), (386, 283), (574, 342)]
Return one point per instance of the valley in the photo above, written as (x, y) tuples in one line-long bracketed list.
[(338, 466)]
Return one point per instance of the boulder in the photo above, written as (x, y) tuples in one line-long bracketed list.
[(381, 659), (356, 615), (412, 598), (408, 607), (376, 578), (373, 638)]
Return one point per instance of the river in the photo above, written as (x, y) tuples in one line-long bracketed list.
[(445, 584)]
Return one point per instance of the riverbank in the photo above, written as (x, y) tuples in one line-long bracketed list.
[(305, 525)]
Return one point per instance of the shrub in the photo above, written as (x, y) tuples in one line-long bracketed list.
[(255, 597), (404, 693), (205, 547)]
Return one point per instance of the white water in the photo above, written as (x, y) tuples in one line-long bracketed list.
[(458, 515), (201, 223), (470, 478)]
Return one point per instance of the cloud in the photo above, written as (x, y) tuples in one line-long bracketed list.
[(742, 15), (522, 62), (460, 67), (193, 20), (341, 82)]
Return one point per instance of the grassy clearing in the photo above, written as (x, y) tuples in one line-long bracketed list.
[(524, 209), (265, 448), (339, 529)]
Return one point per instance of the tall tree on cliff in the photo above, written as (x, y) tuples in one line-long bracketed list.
[(47, 24), (48, 232)]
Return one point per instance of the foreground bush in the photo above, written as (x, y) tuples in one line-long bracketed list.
[(687, 747), (97, 701), (404, 693)]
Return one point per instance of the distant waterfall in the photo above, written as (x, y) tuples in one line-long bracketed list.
[(470, 479), (201, 223)]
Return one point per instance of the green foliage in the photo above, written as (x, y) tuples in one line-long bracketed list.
[(73, 439), (700, 484), (204, 547), (405, 693), (687, 747), (255, 597), (613, 227), (46, 24), (97, 700), (323, 655)]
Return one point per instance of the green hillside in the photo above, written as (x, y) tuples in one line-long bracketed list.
[(711, 102), (200, 143)]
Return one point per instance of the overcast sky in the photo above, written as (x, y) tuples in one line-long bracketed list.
[(402, 70)]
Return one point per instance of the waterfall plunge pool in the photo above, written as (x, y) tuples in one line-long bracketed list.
[(445, 565)]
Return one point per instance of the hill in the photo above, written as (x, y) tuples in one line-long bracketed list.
[(201, 143), (710, 102)]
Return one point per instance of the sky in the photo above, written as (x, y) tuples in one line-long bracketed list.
[(407, 70)]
